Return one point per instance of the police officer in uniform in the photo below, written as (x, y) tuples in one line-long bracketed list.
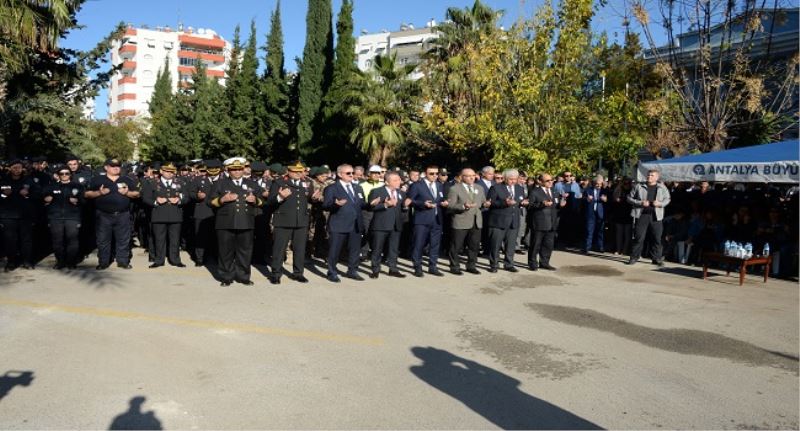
[(63, 201), (112, 194), (167, 197), (19, 196), (205, 237), (235, 199), (289, 198)]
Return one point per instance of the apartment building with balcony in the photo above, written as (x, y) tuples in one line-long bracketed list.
[(408, 44), (142, 53)]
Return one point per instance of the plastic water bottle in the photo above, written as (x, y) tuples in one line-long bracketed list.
[(727, 248), (765, 253)]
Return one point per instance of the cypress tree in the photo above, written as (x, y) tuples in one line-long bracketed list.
[(275, 93), (245, 93), (315, 73), (208, 136), (162, 90), (233, 65), (336, 124)]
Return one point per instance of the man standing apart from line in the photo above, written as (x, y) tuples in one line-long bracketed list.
[(648, 201)]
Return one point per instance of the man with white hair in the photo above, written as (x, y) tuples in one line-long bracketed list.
[(505, 200)]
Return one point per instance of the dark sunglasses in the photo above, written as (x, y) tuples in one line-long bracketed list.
[(64, 173), (432, 173), (347, 173)]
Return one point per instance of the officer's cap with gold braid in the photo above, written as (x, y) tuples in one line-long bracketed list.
[(297, 166), (168, 167), (235, 163)]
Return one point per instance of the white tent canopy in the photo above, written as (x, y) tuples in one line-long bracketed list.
[(778, 162)]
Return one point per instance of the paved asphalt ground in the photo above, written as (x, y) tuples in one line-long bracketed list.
[(595, 344)]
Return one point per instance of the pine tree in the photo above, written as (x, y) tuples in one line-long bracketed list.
[(336, 124), (233, 65), (315, 72), (208, 136), (275, 93), (245, 94)]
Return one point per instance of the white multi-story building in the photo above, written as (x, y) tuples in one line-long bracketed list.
[(409, 44), (142, 52)]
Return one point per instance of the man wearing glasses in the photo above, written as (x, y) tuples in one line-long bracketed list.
[(543, 217), (429, 202), (345, 201), (63, 200)]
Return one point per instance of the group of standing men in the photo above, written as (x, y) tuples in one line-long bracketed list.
[(237, 213)]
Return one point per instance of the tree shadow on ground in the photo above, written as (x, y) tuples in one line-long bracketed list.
[(135, 419), (12, 379), (490, 393)]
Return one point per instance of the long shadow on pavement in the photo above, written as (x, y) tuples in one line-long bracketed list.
[(135, 419), (490, 393), (12, 379)]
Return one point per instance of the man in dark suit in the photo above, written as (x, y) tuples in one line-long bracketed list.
[(466, 202), (504, 219), (595, 197), (429, 202), (543, 217), (235, 199), (345, 201), (387, 224), (205, 238), (166, 197), (288, 201)]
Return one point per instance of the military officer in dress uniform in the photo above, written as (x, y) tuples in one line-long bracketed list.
[(288, 199), (236, 200), (167, 197), (205, 238)]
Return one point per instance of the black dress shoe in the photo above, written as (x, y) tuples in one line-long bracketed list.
[(197, 264), (397, 274), (59, 266), (225, 283), (492, 270), (533, 268), (178, 265), (418, 273), (124, 266), (245, 282), (28, 266), (631, 262), (548, 267), (355, 277), (456, 272), (155, 265), (659, 263), (374, 274), (511, 269), (436, 272), (473, 271), (300, 279), (274, 279), (98, 267), (334, 278)]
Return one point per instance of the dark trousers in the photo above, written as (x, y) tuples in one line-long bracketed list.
[(460, 237), (18, 240), (430, 235), (337, 240), (66, 241), (235, 250), (281, 237), (167, 238), (205, 240), (261, 246), (385, 239), (116, 226), (543, 243), (595, 227), (647, 223), (623, 233), (505, 239)]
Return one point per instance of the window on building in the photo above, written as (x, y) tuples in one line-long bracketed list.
[(151, 43), (188, 62), (167, 45)]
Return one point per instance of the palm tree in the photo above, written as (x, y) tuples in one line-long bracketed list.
[(384, 108), (33, 24)]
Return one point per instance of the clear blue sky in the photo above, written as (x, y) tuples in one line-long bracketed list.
[(99, 17)]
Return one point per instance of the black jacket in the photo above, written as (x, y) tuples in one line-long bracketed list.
[(166, 212), (238, 214), (542, 217), (60, 208), (291, 212), (383, 218), (15, 206), (501, 215)]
